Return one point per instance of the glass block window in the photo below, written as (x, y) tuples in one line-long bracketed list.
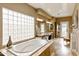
[(17, 25)]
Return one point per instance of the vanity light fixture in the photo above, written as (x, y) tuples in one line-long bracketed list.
[(38, 19), (48, 22)]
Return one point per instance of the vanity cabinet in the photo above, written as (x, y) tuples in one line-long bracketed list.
[(48, 52)]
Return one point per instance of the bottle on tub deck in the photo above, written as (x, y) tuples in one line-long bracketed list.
[(9, 44)]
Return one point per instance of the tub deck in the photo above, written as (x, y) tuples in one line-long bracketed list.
[(40, 46)]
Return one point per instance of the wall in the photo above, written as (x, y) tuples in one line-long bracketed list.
[(19, 7), (61, 19), (75, 32), (0, 28)]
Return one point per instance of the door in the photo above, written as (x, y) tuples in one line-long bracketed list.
[(64, 29)]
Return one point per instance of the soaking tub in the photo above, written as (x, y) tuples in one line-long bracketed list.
[(27, 48)]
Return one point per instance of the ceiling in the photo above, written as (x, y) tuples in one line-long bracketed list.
[(56, 9)]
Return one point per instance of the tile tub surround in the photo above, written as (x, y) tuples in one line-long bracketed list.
[(35, 53)]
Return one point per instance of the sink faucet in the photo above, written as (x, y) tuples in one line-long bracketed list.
[(9, 44)]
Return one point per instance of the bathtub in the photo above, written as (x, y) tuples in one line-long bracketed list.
[(27, 48)]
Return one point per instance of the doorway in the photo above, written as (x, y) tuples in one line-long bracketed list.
[(64, 29)]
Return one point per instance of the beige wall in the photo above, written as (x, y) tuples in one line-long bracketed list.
[(75, 33), (78, 13), (0, 28), (19, 7)]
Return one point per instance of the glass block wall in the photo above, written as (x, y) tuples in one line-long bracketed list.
[(17, 25)]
